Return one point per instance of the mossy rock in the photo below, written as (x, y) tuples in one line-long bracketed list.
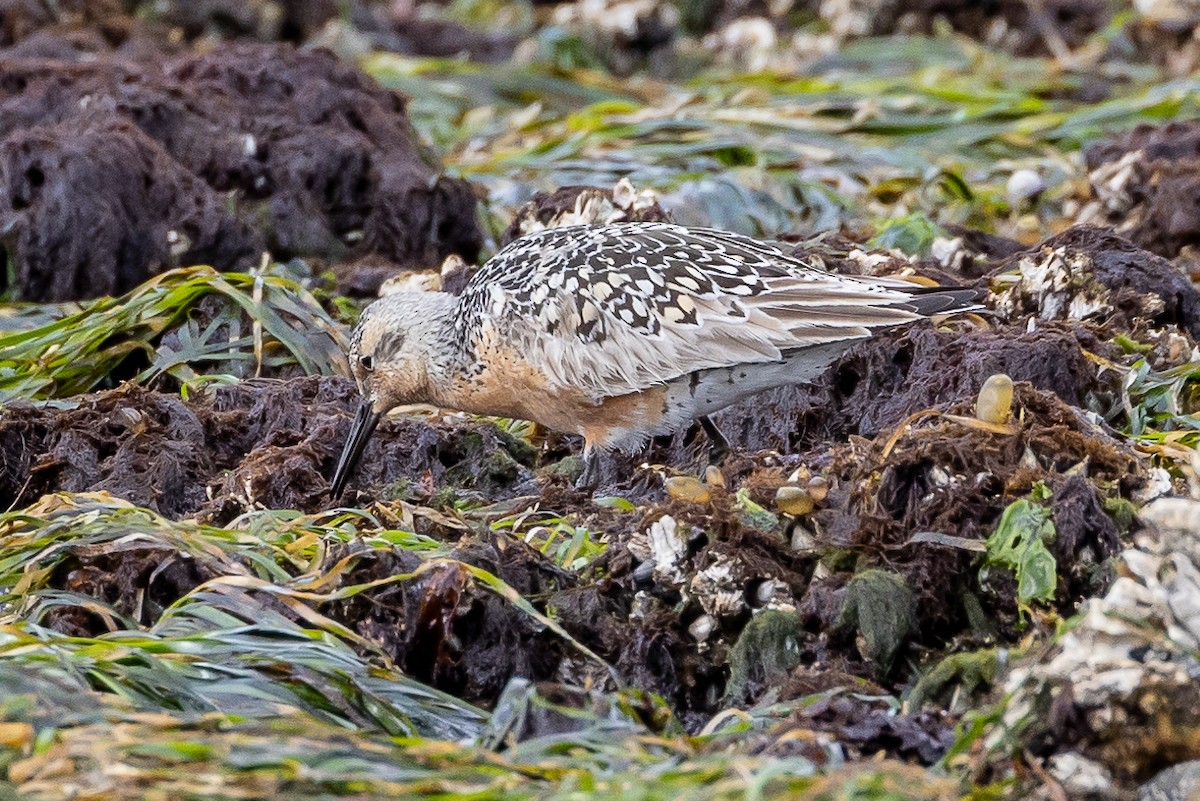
[(970, 673), (569, 466), (883, 610), (767, 651)]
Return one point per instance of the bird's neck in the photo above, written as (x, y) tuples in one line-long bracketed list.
[(448, 354)]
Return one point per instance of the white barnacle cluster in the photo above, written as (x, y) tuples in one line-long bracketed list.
[(1119, 196), (423, 280), (592, 206), (663, 548), (750, 42), (717, 589), (1132, 654), (724, 588), (624, 18), (1054, 284)]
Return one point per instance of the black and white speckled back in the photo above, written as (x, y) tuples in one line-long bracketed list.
[(617, 308)]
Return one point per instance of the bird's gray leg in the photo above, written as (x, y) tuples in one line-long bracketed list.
[(719, 449), (590, 476)]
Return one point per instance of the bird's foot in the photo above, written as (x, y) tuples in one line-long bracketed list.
[(589, 479), (719, 448)]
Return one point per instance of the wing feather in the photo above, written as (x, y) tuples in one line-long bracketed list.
[(614, 309)]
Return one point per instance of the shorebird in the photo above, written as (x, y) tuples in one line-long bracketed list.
[(619, 333)]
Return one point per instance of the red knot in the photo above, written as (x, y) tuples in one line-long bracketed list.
[(619, 333)]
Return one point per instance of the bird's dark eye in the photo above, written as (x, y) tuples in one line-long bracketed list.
[(367, 362)]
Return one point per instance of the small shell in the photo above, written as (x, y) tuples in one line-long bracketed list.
[(765, 593), (178, 243), (702, 627), (687, 488), (818, 488), (995, 399), (803, 540), (713, 476), (134, 420), (1024, 184), (1029, 460), (793, 501), (799, 475)]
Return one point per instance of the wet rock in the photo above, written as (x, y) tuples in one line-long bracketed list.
[(314, 156), (877, 384), (766, 652), (881, 607), (1145, 182), (1088, 273), (250, 445), (585, 205), (23, 19), (97, 207)]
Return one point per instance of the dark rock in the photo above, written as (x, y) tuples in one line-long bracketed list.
[(1091, 273), (877, 384), (318, 159), (257, 442), (98, 207), (1147, 181)]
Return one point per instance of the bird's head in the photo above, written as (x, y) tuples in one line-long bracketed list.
[(389, 357)]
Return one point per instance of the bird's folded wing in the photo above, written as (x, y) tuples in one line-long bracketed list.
[(613, 312)]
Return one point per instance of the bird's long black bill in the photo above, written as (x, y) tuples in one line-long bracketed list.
[(365, 420)]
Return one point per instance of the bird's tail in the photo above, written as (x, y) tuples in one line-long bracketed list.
[(931, 301)]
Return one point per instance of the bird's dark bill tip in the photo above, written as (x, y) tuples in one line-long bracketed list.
[(365, 421)]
